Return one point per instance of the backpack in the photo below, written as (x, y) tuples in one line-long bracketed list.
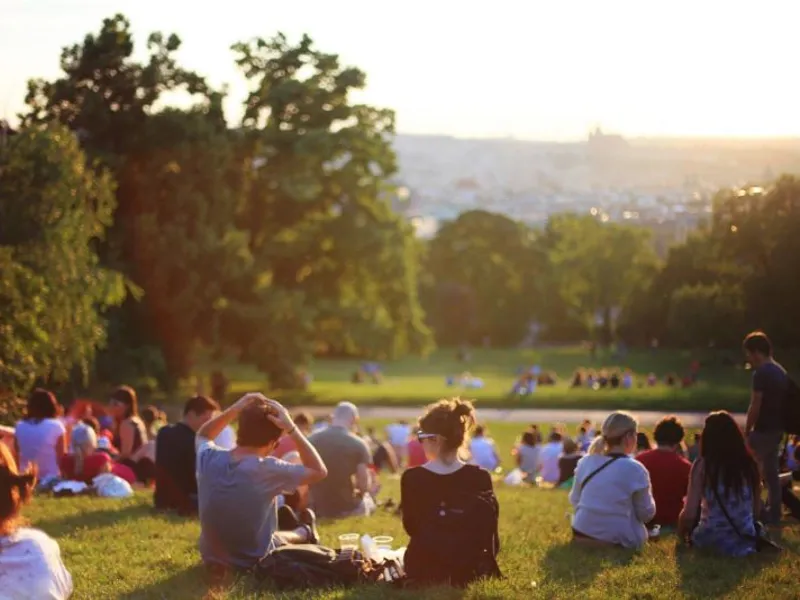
[(458, 543), (791, 408), (313, 566)]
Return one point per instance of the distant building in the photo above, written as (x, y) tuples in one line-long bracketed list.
[(606, 143)]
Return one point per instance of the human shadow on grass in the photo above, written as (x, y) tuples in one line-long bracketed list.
[(189, 583), (709, 575), (96, 519), (573, 564)]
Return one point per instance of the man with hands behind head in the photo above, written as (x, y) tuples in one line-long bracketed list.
[(237, 489)]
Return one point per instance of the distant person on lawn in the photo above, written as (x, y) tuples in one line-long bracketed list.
[(347, 490), (30, 561), (483, 451), (548, 458), (176, 462), (611, 495), (237, 489), (764, 428), (669, 471)]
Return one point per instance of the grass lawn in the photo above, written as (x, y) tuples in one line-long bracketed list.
[(122, 549), (417, 381)]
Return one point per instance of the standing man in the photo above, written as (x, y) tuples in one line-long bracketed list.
[(764, 426)]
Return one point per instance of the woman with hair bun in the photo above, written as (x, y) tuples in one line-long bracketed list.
[(449, 508), (30, 561), (612, 495)]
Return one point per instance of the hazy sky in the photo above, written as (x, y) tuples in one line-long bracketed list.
[(541, 69)]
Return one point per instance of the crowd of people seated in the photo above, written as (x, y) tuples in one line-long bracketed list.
[(282, 472)]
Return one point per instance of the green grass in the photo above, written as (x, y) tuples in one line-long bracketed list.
[(418, 381), (122, 549)]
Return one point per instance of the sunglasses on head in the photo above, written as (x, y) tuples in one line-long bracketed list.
[(421, 435)]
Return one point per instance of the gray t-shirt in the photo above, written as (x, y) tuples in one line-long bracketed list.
[(238, 512), (342, 452)]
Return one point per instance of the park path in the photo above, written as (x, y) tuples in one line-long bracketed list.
[(526, 415)]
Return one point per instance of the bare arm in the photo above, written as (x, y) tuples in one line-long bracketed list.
[(694, 497), (61, 448), (363, 478), (213, 427), (126, 436), (753, 410), (310, 458)]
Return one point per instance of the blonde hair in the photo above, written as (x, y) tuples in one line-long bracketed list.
[(84, 443), (615, 427)]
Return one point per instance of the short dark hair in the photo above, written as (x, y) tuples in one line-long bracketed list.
[(199, 405), (528, 438), (126, 395), (42, 404), (256, 430), (555, 436), (150, 414), (479, 430), (669, 431), (757, 342), (303, 419)]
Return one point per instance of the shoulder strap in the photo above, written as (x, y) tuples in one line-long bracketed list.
[(589, 477), (728, 517)]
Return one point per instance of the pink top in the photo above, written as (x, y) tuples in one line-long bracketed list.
[(416, 454), (285, 445)]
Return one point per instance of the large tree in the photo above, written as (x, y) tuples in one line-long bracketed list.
[(178, 177), (53, 292), (482, 273), (595, 268), (334, 265)]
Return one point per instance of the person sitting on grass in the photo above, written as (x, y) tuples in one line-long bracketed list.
[(237, 489), (348, 489), (40, 438), (612, 495), (724, 491), (175, 473), (527, 455), (30, 561), (669, 471), (87, 462), (439, 495), (567, 463), (483, 450), (643, 443), (130, 433), (548, 458)]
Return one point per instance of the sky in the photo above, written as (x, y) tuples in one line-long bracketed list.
[(529, 69)]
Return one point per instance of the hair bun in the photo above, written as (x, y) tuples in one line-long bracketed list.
[(463, 408)]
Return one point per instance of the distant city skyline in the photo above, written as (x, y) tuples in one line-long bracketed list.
[(510, 68)]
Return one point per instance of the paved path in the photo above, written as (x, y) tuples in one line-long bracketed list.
[(525, 415)]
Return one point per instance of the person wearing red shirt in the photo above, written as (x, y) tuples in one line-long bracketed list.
[(669, 471), (85, 463), (416, 454)]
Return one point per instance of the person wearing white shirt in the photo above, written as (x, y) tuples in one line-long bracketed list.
[(399, 433), (548, 459), (30, 561), (41, 438), (612, 495), (483, 451)]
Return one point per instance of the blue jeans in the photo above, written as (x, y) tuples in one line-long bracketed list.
[(766, 447)]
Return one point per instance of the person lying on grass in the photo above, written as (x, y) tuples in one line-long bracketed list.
[(237, 489), (612, 495), (30, 561)]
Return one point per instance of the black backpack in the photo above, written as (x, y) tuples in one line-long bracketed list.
[(313, 566), (458, 543), (791, 408)]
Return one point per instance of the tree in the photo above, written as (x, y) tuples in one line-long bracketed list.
[(334, 266), (596, 268), (178, 176), (484, 269), (53, 293), (703, 315)]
